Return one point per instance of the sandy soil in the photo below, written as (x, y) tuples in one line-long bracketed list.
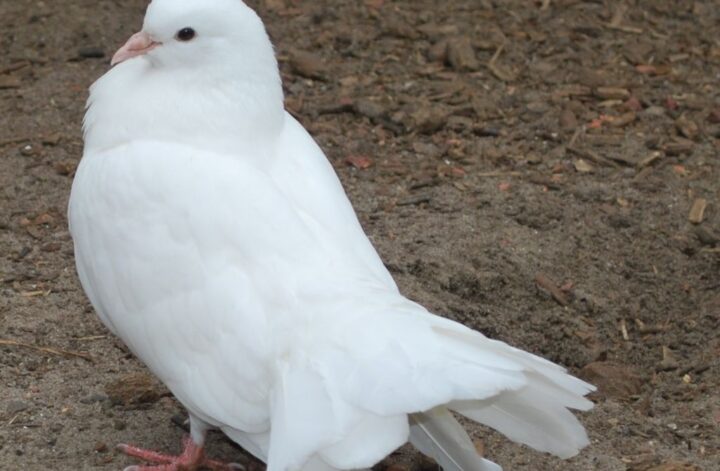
[(536, 170)]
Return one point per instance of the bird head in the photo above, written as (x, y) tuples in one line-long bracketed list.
[(198, 33), (202, 71)]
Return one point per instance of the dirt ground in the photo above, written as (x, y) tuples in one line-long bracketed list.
[(547, 172)]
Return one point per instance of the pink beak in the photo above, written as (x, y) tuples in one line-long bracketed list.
[(138, 44)]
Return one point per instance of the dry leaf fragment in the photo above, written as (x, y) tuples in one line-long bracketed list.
[(697, 211), (359, 161)]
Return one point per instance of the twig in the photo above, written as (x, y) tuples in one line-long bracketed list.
[(497, 71), (497, 174), (545, 5), (91, 337), (32, 294), (590, 155), (14, 140), (495, 56), (50, 350), (414, 200), (697, 211), (617, 19), (619, 14), (544, 282), (623, 330), (13, 67), (626, 29), (578, 132)]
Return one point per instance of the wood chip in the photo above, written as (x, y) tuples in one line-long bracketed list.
[(361, 162), (582, 166), (591, 155), (622, 120), (623, 330), (687, 127), (546, 284), (697, 211), (9, 81), (461, 55), (308, 65), (644, 329), (668, 362), (649, 159), (679, 147), (650, 69), (568, 120)]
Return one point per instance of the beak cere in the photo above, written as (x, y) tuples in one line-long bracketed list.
[(138, 44)]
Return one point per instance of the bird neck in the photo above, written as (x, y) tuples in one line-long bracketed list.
[(216, 110)]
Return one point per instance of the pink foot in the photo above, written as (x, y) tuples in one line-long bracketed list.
[(191, 459)]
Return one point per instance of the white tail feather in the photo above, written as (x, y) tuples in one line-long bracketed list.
[(437, 434), (529, 417)]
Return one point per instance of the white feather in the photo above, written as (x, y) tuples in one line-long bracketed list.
[(437, 434)]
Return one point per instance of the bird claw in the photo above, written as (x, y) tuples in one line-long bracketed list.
[(191, 459), (145, 455)]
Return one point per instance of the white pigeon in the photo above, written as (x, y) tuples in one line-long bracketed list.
[(213, 237)]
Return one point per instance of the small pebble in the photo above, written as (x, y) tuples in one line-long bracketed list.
[(27, 150)]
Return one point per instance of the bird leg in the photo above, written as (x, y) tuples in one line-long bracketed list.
[(192, 458)]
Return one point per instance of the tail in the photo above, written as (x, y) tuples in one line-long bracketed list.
[(437, 434), (535, 414), (361, 389)]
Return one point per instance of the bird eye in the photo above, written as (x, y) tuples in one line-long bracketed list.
[(185, 34)]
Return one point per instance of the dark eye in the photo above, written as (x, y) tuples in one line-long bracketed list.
[(185, 34)]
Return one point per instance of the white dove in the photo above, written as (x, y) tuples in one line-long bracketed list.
[(213, 237)]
